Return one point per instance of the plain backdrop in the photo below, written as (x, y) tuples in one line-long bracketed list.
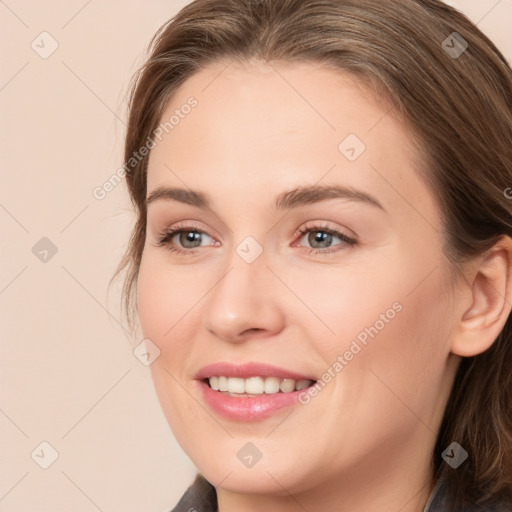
[(68, 375)]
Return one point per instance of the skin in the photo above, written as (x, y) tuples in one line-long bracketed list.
[(364, 442)]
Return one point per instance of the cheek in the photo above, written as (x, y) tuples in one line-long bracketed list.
[(407, 357), (345, 303), (166, 314), (413, 339), (389, 322), (167, 317), (165, 300)]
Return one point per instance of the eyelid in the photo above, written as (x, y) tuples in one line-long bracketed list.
[(318, 226)]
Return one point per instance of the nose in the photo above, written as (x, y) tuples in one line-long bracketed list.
[(242, 303)]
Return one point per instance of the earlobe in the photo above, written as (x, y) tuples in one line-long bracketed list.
[(491, 302)]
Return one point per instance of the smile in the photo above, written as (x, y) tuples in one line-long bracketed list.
[(255, 386)]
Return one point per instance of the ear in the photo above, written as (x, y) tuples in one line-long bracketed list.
[(490, 296)]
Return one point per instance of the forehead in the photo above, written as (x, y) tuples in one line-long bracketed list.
[(259, 126), (270, 107)]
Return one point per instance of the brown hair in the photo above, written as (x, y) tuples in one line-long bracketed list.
[(459, 108)]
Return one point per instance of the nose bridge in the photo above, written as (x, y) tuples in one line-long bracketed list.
[(240, 298), (246, 266)]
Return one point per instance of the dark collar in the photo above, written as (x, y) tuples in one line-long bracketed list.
[(201, 496)]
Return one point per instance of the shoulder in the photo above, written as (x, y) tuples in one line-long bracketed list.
[(439, 502), (199, 497)]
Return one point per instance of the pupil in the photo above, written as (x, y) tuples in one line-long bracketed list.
[(320, 237), (191, 237)]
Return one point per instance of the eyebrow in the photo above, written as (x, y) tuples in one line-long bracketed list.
[(294, 198)]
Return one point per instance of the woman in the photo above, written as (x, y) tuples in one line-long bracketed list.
[(322, 254)]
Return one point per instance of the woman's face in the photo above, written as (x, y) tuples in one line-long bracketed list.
[(358, 301)]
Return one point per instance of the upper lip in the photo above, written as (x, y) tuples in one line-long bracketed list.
[(246, 370)]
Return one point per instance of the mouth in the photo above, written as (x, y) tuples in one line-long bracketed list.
[(256, 385), (251, 391)]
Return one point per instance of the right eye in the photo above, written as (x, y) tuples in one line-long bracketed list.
[(189, 238)]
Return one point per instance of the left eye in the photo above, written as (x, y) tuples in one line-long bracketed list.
[(324, 235)]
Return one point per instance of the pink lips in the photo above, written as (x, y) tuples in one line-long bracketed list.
[(248, 408)]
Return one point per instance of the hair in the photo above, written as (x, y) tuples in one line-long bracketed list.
[(459, 111)]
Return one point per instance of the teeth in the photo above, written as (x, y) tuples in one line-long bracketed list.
[(301, 384), (214, 383), (223, 384), (236, 385), (272, 385), (254, 385), (287, 385), (257, 385)]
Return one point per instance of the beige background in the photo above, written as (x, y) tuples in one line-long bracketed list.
[(67, 372)]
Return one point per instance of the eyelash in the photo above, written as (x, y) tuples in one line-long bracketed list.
[(166, 236)]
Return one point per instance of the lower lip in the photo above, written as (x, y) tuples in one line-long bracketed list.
[(242, 408)]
